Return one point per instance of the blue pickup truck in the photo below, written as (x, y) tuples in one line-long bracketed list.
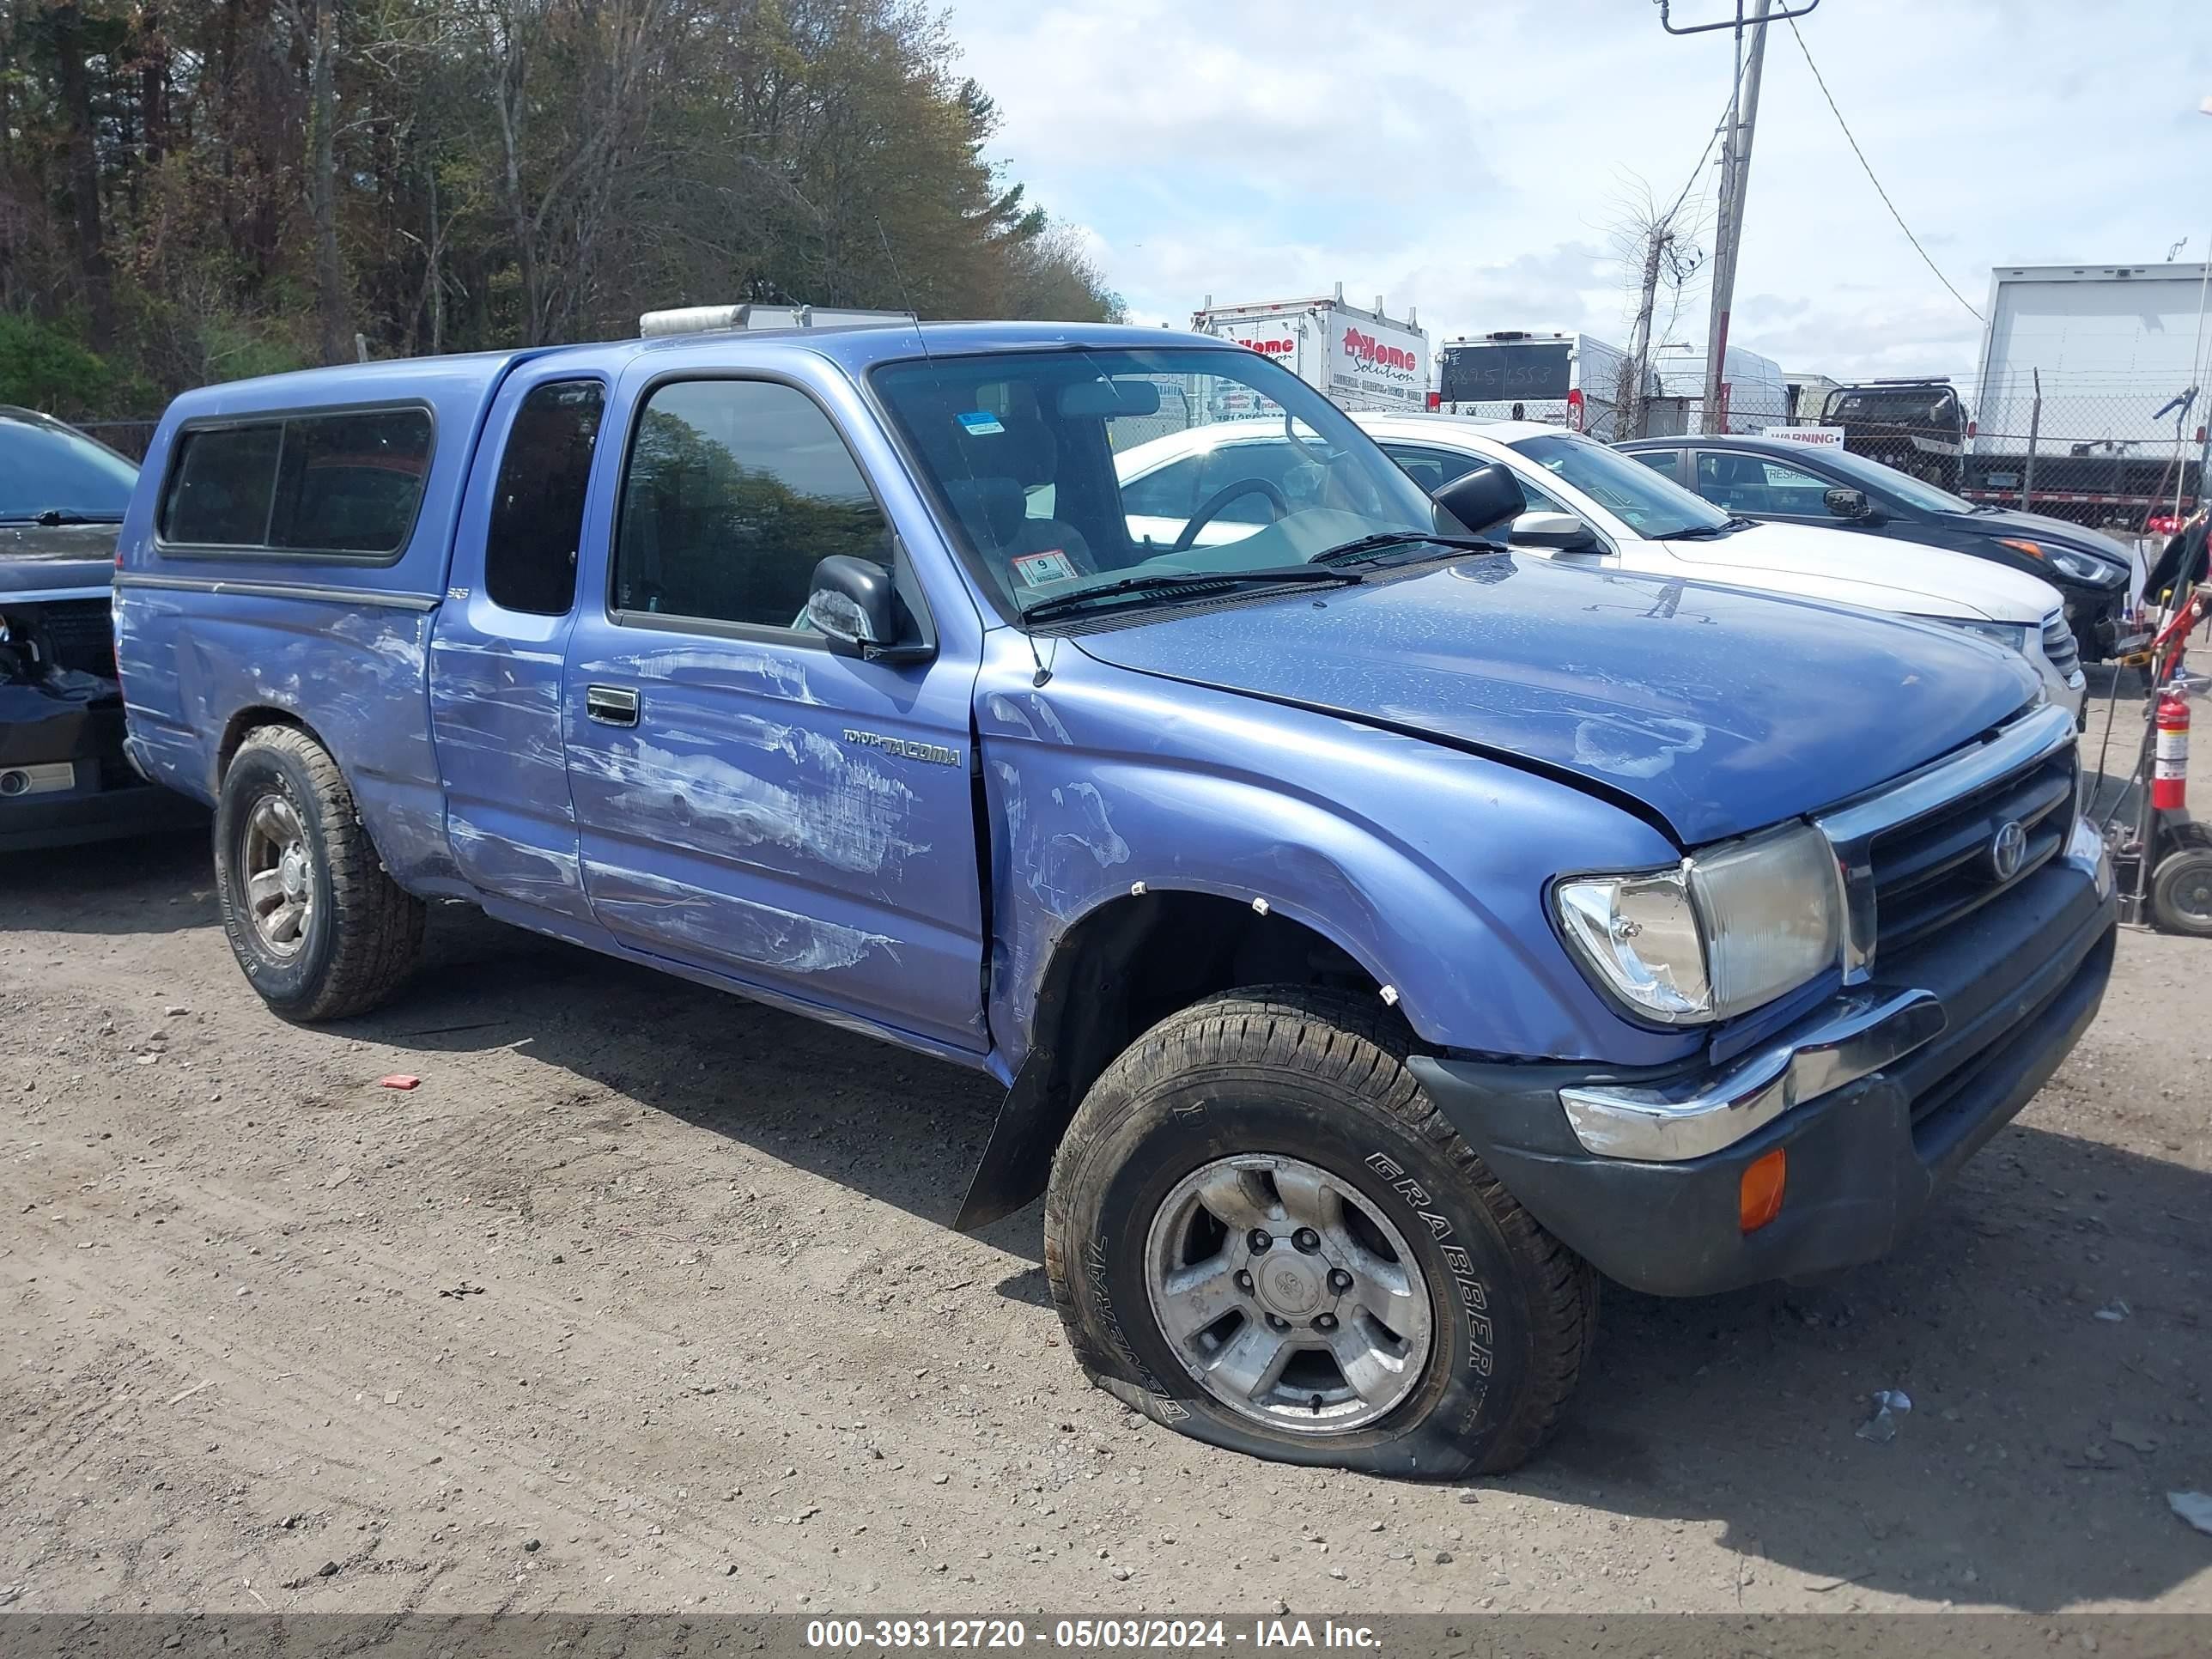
[(1380, 936)]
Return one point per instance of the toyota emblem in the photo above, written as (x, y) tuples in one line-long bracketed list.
[(2008, 850)]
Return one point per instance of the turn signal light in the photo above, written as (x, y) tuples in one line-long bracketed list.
[(1759, 1197)]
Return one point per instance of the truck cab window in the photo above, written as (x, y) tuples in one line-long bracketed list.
[(537, 501), (345, 483), (735, 490)]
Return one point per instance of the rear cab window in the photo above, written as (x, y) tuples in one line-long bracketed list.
[(345, 484), (537, 498)]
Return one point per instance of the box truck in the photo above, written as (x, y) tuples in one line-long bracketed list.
[(2119, 351), (1571, 380), (1358, 359)]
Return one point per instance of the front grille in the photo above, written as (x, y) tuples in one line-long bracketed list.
[(1931, 872), (78, 634), (2059, 645)]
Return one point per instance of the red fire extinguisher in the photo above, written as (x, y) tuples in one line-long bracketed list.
[(2169, 784)]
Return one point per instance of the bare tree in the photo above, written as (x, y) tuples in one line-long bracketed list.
[(1653, 248)]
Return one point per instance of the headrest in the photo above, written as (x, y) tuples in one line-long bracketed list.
[(993, 508)]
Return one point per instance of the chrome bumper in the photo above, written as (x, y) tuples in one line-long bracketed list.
[(1857, 1035)]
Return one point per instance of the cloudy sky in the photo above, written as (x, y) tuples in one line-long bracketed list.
[(1475, 158)]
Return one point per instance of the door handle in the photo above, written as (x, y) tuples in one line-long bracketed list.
[(610, 705)]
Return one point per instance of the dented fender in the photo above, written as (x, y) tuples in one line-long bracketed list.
[(1427, 865)]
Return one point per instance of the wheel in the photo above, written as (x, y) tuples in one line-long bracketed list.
[(320, 928), (2181, 891), (1261, 1233)]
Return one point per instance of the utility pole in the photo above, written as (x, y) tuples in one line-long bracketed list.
[(1631, 422), (1736, 174)]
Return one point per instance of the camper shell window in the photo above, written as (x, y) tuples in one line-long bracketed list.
[(344, 484)]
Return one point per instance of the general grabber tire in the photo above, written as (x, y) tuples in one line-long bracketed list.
[(320, 928), (1262, 1233)]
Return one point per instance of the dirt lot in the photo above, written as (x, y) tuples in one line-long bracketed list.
[(646, 1299)]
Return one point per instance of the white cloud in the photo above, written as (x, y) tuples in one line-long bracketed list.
[(1470, 159)]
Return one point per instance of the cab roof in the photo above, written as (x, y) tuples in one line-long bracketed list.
[(474, 375)]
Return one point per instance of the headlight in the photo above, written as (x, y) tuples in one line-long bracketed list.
[(1726, 931), (2014, 637), (2082, 567)]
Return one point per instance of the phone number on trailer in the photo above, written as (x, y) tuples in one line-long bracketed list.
[(987, 1634)]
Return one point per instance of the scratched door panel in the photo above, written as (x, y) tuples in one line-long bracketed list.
[(796, 820), (497, 656)]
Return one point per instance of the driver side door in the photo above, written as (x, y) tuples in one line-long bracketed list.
[(749, 804)]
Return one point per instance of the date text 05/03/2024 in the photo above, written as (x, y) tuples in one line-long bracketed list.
[(1085, 1635)]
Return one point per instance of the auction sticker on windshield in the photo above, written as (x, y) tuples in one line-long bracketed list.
[(1053, 565)]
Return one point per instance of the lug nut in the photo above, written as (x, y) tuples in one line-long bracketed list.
[(1306, 1239), (1243, 1280), (1277, 1322), (1258, 1240), (1326, 1322), (1338, 1280)]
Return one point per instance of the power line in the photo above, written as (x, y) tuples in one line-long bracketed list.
[(1871, 179)]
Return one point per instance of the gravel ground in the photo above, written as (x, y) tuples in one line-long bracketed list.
[(645, 1299)]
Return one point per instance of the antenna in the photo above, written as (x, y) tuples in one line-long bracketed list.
[(899, 277)]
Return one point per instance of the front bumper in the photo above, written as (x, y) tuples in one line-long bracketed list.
[(2094, 618), (1875, 1102), (63, 778)]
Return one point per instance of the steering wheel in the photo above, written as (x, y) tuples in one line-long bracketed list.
[(1210, 508)]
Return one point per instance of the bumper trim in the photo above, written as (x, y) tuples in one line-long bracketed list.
[(1854, 1035)]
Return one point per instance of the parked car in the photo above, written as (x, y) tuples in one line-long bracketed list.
[(63, 774), (1558, 495), (1776, 481), (1381, 933)]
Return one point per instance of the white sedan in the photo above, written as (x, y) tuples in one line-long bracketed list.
[(1560, 495)]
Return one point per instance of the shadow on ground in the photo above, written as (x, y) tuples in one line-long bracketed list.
[(2031, 1473)]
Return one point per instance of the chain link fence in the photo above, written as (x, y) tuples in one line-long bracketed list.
[(127, 437)]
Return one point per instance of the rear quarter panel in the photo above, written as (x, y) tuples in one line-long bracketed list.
[(210, 641)]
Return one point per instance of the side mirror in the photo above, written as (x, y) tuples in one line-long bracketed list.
[(853, 604), (1482, 499), (1559, 533), (1844, 503)]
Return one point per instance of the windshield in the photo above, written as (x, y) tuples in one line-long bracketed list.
[(1920, 406), (1066, 473), (45, 467), (1654, 508), (1873, 476)]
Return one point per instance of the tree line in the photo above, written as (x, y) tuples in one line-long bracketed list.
[(199, 190)]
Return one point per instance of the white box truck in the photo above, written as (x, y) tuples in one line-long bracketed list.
[(1560, 378), (1358, 359), (2117, 351)]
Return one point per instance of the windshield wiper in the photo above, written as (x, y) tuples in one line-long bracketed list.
[(1709, 532), (1366, 549), (1181, 583), (61, 515)]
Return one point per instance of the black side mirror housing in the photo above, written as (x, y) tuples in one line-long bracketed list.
[(1483, 499), (854, 604), (1845, 503)]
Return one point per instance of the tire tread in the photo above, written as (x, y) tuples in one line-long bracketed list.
[(1362, 1049), (376, 926)]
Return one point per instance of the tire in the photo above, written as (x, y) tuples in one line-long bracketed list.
[(2181, 891), (357, 934), (1242, 1094)]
